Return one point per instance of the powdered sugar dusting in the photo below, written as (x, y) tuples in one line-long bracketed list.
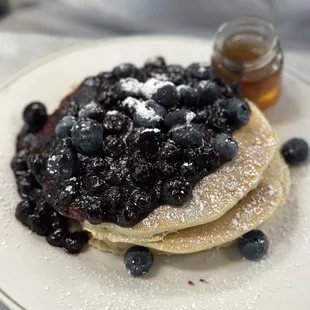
[(130, 102), (146, 112), (130, 85)]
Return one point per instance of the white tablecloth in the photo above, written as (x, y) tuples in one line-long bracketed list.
[(20, 50)]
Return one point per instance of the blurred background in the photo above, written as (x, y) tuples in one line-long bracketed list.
[(104, 18)]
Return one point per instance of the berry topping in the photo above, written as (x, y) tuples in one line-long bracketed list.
[(170, 152), (142, 199), (253, 245), (238, 113), (129, 87), (125, 70), (148, 141), (26, 183), (62, 164), (94, 212), (208, 93), (295, 151), (63, 128), (149, 114), (141, 173), (114, 146), (226, 146), (179, 117), (177, 192), (187, 136), (155, 62), (200, 71), (138, 260), (87, 136), (19, 162), (113, 198), (35, 114), (166, 95), (187, 96), (114, 123), (75, 242), (23, 211), (92, 110), (57, 238), (176, 74)]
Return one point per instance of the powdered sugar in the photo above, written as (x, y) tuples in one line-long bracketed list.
[(146, 112), (130, 102), (131, 86)]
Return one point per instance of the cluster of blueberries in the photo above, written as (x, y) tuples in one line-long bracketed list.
[(123, 143)]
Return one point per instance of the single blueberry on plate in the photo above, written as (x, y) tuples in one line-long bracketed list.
[(166, 95), (187, 136), (63, 128), (35, 114), (87, 136), (138, 260), (253, 245), (237, 113), (149, 114), (226, 146), (295, 151)]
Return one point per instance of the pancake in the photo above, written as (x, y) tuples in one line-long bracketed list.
[(248, 214), (217, 193)]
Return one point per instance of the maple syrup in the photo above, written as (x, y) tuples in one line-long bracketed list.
[(247, 50)]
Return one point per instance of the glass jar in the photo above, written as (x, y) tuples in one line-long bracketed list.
[(248, 51)]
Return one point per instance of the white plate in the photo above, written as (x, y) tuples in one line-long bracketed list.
[(36, 276)]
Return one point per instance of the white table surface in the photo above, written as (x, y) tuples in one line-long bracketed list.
[(21, 50)]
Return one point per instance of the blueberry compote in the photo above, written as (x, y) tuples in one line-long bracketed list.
[(122, 144)]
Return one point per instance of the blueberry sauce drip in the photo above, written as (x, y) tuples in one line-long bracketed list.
[(123, 143)]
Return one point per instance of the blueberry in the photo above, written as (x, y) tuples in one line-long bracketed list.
[(226, 146), (36, 165), (19, 162), (149, 114), (87, 136), (94, 213), (295, 151), (75, 242), (200, 71), (26, 141), (86, 93), (129, 87), (208, 92), (170, 152), (187, 170), (164, 169), (155, 62), (35, 114), (95, 165), (187, 136), (95, 184), (166, 95), (117, 172), (141, 174), (113, 198), (63, 128), (38, 225), (125, 70), (253, 245), (238, 113), (62, 164), (57, 238), (93, 111), (148, 141), (207, 160), (177, 192), (138, 260), (129, 215), (57, 221), (114, 123), (67, 191), (178, 117), (114, 147), (187, 96), (176, 74), (23, 210), (26, 182), (142, 199)]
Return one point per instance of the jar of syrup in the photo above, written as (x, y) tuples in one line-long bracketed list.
[(248, 51)]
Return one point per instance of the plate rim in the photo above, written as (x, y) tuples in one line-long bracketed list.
[(8, 301)]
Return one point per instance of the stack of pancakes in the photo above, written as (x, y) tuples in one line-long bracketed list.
[(237, 198)]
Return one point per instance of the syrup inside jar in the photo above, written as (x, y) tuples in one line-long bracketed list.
[(247, 51)]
